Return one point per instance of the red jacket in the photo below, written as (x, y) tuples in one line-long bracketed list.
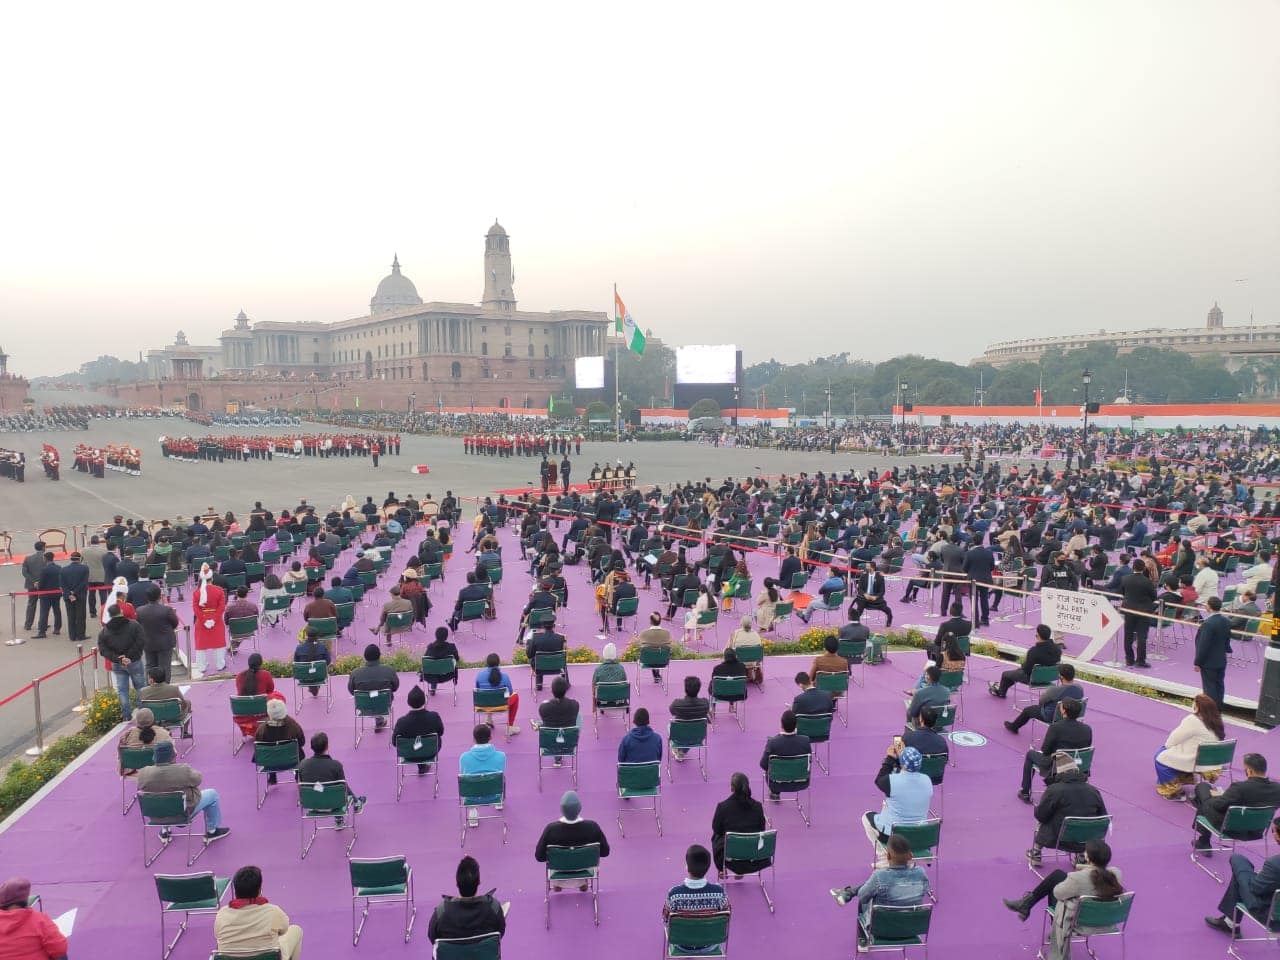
[(27, 934)]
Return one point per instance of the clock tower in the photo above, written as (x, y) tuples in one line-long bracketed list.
[(499, 277)]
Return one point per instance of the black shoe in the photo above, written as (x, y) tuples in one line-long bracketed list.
[(1128, 663), (1025, 797), (1221, 923), (271, 779), (1143, 665), (985, 623), (1011, 726), (211, 835), (1021, 907)]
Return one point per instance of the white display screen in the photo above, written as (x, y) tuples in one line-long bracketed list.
[(588, 373), (707, 364)]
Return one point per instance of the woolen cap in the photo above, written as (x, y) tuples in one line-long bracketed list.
[(570, 805)]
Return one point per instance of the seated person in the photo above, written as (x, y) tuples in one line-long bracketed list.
[(469, 914), (559, 713), (1050, 697), (620, 588), (908, 793), (310, 650), (640, 744), (835, 583), (1175, 764), (570, 831), (492, 677), (143, 733), (1070, 795), (1044, 652), (419, 722), (925, 739), (374, 675), (738, 813), (609, 670), (730, 666), (696, 895), (657, 636), (541, 599), (932, 694), (481, 757), (810, 700), (546, 640), (854, 630), (829, 661), (1252, 889), (251, 682), (159, 688), (957, 626), (745, 637), (322, 768), (279, 727), (870, 593), (396, 604), (1066, 732), (441, 648), (240, 608), (689, 707), (472, 591), (27, 932), (786, 743), (1094, 877), (165, 776), (898, 884), (1256, 790)]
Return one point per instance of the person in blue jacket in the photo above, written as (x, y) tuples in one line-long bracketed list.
[(641, 744)]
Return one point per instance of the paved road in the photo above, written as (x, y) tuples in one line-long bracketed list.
[(169, 489)]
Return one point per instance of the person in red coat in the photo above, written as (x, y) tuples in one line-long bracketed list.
[(209, 603), (254, 682)]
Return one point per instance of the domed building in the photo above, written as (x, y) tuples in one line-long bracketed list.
[(395, 292)]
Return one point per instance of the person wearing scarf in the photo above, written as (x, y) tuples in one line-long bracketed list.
[(250, 925), (209, 603)]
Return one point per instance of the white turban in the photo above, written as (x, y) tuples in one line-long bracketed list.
[(206, 575), (119, 590)]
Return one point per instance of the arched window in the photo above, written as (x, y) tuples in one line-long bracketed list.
[(531, 349), (484, 348), (455, 370)]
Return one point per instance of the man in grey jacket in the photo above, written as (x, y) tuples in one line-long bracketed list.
[(94, 556), (165, 776)]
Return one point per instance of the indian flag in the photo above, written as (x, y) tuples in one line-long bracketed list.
[(625, 326)]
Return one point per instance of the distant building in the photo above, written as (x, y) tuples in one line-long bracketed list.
[(1234, 344), (182, 361)]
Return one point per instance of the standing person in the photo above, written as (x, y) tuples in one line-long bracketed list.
[(34, 562), (1139, 594), (50, 587), (375, 451), (565, 467), (27, 933), (159, 623), (1213, 643), (208, 604), (94, 556), (74, 582), (121, 643), (249, 925)]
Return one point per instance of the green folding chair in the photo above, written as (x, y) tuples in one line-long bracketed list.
[(790, 775), (733, 691), (481, 791), (175, 580), (1094, 918), (473, 612), (432, 573), (1268, 921), (242, 629), (696, 935), (485, 946), (572, 868), (168, 714), (399, 623), (637, 781), (485, 704), (346, 614), (687, 735), (558, 743), (836, 684), (311, 676), (709, 618), (418, 752), (612, 695), (255, 571), (234, 581), (548, 665), (1042, 677), (244, 708), (155, 571), (189, 894), (272, 758), (924, 838), (329, 800), (751, 853), (1074, 833), (437, 670), (833, 604), (372, 705), (381, 880), (163, 812), (277, 605), (954, 682), (627, 608), (1240, 824), (752, 657), (855, 651), (783, 612), (896, 928), (1217, 758), (326, 628), (132, 759), (649, 659), (817, 727)]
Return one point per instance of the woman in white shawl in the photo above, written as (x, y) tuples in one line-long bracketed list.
[(119, 591)]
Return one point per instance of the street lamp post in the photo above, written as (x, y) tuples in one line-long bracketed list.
[(1086, 378), (902, 406)]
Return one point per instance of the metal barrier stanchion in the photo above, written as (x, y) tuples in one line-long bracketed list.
[(1153, 653), (38, 749), (1023, 625), (191, 663), (83, 705), (13, 616), (933, 582), (97, 680)]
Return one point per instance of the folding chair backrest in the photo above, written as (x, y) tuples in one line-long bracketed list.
[(186, 887), (242, 626), (1084, 829), (627, 606), (250, 706), (1210, 756), (784, 608), (1044, 675), (900, 923), (422, 749), (558, 741), (398, 620), (1083, 757), (485, 947), (479, 786), (322, 798), (166, 711), (276, 756), (699, 931), (933, 766), (751, 655), (655, 657), (690, 597), (1247, 821), (789, 772), (549, 662), (474, 609), (639, 776), (613, 693), (952, 679), (728, 688), (815, 726), (378, 872), (832, 682), (276, 604), (168, 807), (1094, 912), (493, 698), (373, 703), (135, 758), (687, 733), (586, 857), (438, 666), (346, 612), (851, 649), (922, 836), (750, 846)]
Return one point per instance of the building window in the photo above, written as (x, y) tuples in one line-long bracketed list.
[(484, 348), (455, 370), (531, 349), (507, 330), (506, 350), (546, 350), (484, 328)]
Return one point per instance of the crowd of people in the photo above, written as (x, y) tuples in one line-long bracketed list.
[(522, 444), (243, 447), (13, 465)]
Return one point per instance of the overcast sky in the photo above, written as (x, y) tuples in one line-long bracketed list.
[(797, 178)]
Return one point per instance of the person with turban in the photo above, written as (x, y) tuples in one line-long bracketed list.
[(209, 603)]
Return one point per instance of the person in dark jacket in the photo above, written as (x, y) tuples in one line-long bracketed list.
[(1044, 652), (1256, 790), (1070, 795), (737, 813), (925, 739), (1248, 886), (73, 579), (279, 727), (957, 626), (1213, 643), (419, 722), (159, 624), (122, 643), (979, 565), (546, 640), (640, 744), (50, 587), (810, 700), (439, 649), (691, 706), (374, 676), (559, 712), (1046, 709), (467, 914), (1067, 732), (786, 743), (1138, 594), (322, 768), (570, 831), (730, 666), (32, 564)]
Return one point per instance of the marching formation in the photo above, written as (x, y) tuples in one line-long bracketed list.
[(521, 444), (247, 447)]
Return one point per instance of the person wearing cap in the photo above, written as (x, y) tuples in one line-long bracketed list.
[(250, 926), (411, 590), (418, 722), (121, 643), (374, 675), (143, 733), (395, 604), (1070, 795), (908, 793), (208, 604), (571, 830), (166, 776), (279, 727), (73, 580), (27, 933)]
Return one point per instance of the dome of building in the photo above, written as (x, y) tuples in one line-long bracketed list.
[(496, 230), (395, 292)]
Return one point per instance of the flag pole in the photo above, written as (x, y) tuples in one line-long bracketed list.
[(617, 401)]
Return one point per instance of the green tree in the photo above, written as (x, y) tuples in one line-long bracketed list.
[(706, 407)]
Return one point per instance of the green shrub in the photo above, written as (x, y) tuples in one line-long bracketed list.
[(24, 779), (104, 712)]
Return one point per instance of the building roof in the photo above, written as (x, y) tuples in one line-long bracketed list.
[(394, 292), (496, 230)]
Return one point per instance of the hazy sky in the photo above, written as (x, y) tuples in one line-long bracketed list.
[(796, 178)]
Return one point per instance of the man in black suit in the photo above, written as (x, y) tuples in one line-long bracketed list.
[(810, 699), (472, 591), (1067, 732), (1139, 594), (925, 739), (1253, 889), (870, 587), (788, 743), (559, 712), (790, 567), (1213, 643), (951, 559), (74, 581), (685, 581), (957, 626), (1256, 790), (1044, 652), (545, 640), (50, 587), (979, 565)]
